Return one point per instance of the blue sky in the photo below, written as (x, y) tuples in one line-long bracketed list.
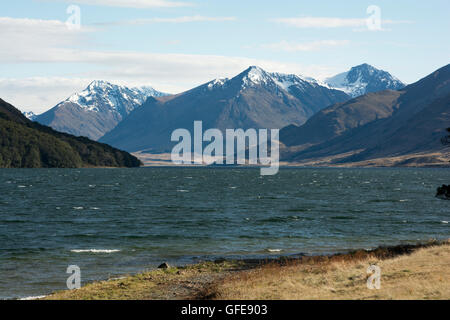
[(176, 45)]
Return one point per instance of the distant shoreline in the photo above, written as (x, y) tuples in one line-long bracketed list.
[(418, 160)]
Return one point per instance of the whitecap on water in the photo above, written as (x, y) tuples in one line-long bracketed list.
[(78, 208), (181, 190), (94, 250), (274, 250), (32, 298), (444, 222)]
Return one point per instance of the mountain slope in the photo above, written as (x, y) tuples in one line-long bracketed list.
[(364, 79), (252, 99), (420, 114), (339, 118), (96, 110), (27, 144)]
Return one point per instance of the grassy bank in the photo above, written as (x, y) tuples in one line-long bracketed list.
[(407, 272)]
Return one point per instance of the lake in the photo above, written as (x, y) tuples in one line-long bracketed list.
[(117, 221)]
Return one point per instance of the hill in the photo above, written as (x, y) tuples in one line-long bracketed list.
[(27, 144)]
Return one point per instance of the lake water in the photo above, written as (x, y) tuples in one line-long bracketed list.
[(117, 221)]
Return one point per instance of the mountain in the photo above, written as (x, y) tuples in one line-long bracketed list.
[(364, 79), (379, 125), (253, 99), (96, 110), (30, 115), (339, 118), (27, 144)]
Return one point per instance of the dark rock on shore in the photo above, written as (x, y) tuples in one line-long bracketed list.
[(164, 265), (443, 192)]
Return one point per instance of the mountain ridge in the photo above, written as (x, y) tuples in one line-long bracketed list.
[(252, 99)]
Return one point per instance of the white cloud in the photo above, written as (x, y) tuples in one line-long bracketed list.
[(171, 73), (38, 94), (133, 3), (185, 19), (305, 46), (43, 41), (27, 36), (329, 22)]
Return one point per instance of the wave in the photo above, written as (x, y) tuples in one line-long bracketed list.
[(32, 298), (95, 250), (274, 250)]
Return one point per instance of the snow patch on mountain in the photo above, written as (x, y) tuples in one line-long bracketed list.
[(220, 82), (30, 115), (255, 76)]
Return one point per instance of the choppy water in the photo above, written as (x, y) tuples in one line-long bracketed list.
[(116, 221)]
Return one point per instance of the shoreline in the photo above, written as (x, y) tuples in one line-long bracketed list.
[(202, 281), (432, 159)]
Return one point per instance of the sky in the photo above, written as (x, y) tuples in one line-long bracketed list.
[(50, 49)]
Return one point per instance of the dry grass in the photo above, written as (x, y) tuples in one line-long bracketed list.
[(415, 160), (162, 284), (424, 274)]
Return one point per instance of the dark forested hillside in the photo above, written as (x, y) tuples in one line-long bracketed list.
[(27, 144)]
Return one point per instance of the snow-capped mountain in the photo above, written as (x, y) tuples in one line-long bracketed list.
[(101, 95), (30, 115), (252, 99), (255, 76), (364, 79), (97, 109), (311, 93)]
